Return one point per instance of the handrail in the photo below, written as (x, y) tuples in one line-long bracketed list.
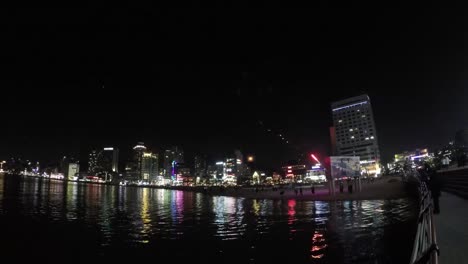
[(425, 249)]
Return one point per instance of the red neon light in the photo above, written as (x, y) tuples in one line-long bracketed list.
[(315, 158)]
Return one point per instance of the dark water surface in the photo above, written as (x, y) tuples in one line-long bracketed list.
[(59, 222)]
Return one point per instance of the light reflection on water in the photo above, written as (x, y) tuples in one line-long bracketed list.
[(345, 231)]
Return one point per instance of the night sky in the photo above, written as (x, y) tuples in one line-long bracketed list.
[(212, 81)]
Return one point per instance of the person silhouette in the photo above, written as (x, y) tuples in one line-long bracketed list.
[(435, 186)]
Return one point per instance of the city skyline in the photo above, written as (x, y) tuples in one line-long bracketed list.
[(259, 130), (113, 83), (213, 134)]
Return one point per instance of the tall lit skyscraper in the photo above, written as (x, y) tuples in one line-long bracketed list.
[(168, 158), (171, 158), (220, 170), (150, 167), (240, 165), (108, 160), (231, 168), (93, 161), (73, 171), (355, 131), (235, 165), (200, 166), (138, 151)]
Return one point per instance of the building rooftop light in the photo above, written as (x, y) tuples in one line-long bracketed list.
[(348, 106)]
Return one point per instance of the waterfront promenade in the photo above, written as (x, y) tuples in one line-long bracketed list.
[(451, 228), (382, 188)]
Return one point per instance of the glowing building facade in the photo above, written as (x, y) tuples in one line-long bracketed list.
[(355, 132)]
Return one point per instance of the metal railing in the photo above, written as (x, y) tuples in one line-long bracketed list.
[(425, 249)]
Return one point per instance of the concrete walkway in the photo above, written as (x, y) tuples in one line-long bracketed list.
[(383, 188), (452, 229)]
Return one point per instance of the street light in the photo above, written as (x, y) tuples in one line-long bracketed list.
[(250, 158)]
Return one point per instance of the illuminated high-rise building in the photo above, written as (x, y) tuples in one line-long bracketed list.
[(200, 166), (171, 158), (235, 165), (108, 160), (231, 168), (355, 131), (137, 162), (150, 167), (73, 171), (93, 162), (220, 170), (211, 171)]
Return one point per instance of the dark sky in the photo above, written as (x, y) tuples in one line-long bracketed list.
[(213, 80)]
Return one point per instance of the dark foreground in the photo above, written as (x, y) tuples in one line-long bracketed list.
[(59, 222)]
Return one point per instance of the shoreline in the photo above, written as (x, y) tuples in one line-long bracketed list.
[(386, 188), (381, 189)]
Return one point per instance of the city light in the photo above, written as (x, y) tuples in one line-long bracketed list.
[(250, 158), (108, 148), (315, 158), (348, 106), (419, 156)]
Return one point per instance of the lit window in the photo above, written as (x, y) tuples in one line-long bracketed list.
[(351, 130), (363, 115), (352, 137), (372, 137), (339, 121), (367, 138)]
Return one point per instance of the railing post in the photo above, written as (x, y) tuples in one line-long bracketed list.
[(425, 248)]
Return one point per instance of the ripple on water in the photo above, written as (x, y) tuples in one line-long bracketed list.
[(329, 232)]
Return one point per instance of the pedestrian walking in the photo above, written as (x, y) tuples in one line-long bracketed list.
[(300, 190), (312, 189)]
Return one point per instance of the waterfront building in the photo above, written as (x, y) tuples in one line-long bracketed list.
[(355, 132), (73, 171), (172, 156), (150, 167), (220, 170), (93, 162), (133, 168), (108, 160), (294, 173)]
